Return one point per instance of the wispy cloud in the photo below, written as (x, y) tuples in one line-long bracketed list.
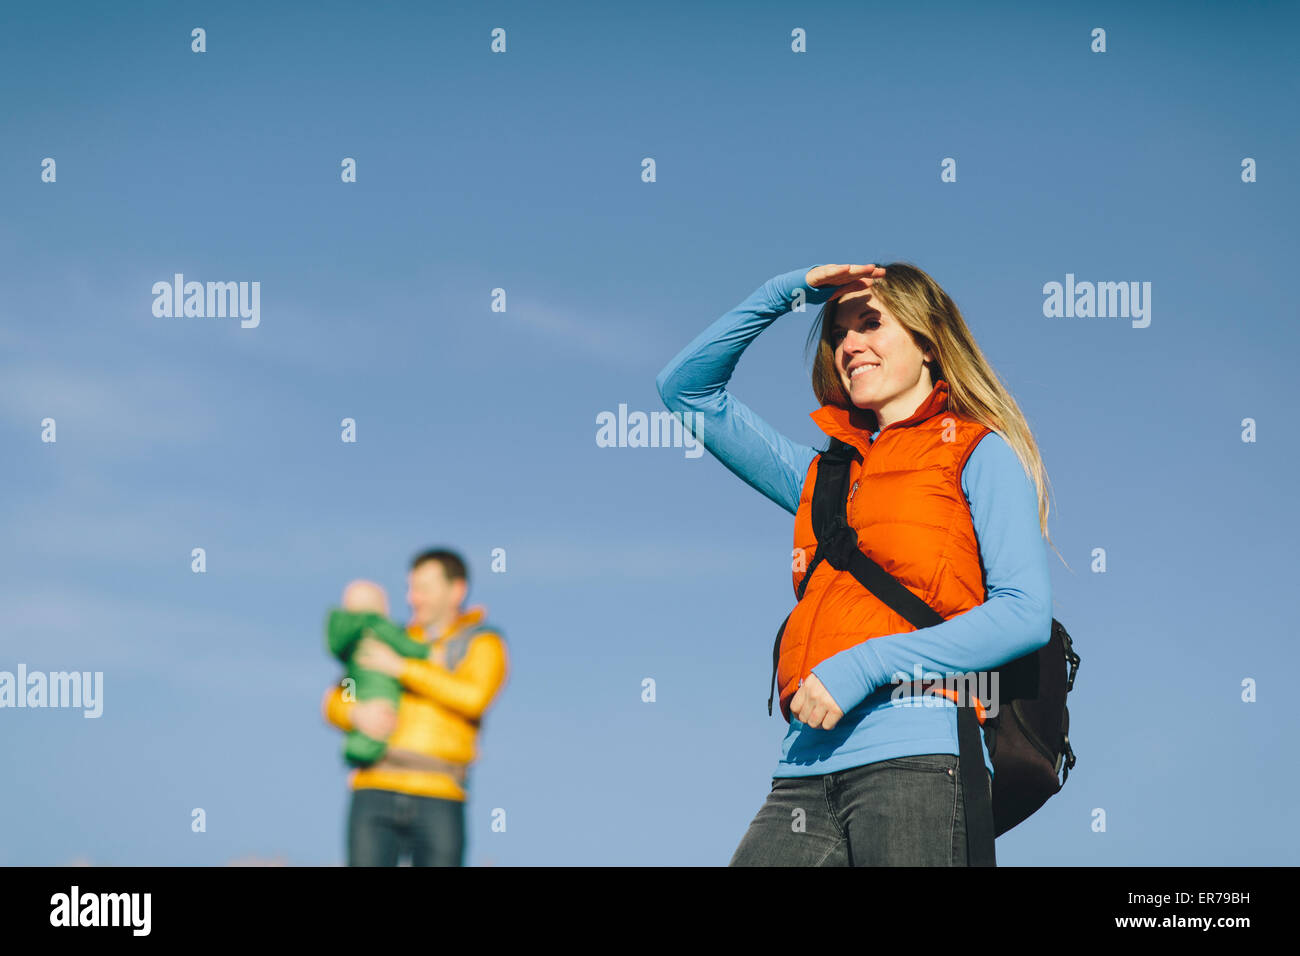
[(612, 337), (70, 629), (126, 408)]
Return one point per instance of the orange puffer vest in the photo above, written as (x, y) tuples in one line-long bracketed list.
[(911, 516)]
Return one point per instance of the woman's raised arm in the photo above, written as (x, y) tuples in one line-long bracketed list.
[(696, 381)]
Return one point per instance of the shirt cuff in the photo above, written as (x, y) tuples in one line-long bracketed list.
[(791, 281), (851, 675)]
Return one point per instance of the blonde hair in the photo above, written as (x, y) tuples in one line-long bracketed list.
[(974, 388)]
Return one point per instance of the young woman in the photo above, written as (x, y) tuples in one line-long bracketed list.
[(949, 495)]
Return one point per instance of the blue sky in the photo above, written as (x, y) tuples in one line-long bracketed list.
[(477, 428)]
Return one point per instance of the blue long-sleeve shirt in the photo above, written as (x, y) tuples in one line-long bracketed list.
[(1014, 619)]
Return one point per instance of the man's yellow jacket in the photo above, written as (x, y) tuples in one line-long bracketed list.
[(438, 717)]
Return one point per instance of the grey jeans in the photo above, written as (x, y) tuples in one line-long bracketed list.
[(384, 825), (907, 811)]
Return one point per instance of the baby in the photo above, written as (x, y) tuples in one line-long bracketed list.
[(365, 614), (364, 595)]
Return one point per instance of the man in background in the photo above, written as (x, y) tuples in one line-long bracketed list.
[(412, 800)]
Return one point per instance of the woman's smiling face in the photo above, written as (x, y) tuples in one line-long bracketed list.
[(878, 362)]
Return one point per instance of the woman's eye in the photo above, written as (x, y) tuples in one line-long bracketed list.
[(839, 334)]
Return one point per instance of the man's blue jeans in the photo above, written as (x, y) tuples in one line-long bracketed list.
[(385, 824), (907, 811)]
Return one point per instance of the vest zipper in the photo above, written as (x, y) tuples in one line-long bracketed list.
[(812, 622)]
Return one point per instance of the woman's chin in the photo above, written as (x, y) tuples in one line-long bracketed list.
[(861, 398)]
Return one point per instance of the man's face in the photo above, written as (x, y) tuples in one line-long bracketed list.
[(430, 595)]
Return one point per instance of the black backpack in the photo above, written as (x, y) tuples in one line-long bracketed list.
[(1029, 738)]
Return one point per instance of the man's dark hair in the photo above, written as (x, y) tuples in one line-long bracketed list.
[(453, 565)]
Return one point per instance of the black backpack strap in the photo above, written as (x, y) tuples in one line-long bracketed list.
[(837, 542), (776, 655), (976, 787), (834, 536)]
